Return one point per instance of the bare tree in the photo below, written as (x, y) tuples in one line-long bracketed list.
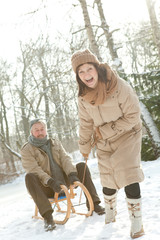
[(154, 23), (109, 37), (46, 93), (89, 29), (45, 76)]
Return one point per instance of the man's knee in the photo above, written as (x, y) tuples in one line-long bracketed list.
[(80, 166), (30, 178), (81, 169)]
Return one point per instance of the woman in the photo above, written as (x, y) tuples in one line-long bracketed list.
[(109, 110)]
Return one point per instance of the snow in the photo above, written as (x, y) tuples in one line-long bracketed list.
[(17, 207)]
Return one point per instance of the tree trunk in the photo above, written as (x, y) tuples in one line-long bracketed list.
[(151, 129), (90, 33), (46, 98), (109, 38), (7, 156), (22, 94), (154, 24), (5, 120)]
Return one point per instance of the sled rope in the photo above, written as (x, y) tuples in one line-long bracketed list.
[(83, 178)]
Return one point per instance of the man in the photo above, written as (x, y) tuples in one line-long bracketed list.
[(48, 166)]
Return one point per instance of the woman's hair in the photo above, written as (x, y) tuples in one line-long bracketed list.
[(102, 76)]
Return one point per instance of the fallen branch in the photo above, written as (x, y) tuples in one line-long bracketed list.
[(8, 147)]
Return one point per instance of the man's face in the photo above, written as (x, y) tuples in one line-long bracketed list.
[(39, 130)]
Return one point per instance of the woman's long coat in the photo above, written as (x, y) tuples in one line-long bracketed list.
[(119, 122)]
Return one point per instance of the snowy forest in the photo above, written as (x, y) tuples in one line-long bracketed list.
[(40, 82)]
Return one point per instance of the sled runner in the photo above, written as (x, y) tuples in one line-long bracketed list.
[(72, 201)]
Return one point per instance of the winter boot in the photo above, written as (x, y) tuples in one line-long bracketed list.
[(135, 214), (49, 223), (99, 209), (110, 207)]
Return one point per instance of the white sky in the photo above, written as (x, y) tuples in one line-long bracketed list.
[(15, 26)]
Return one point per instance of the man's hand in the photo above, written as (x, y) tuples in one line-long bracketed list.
[(55, 185), (73, 178)]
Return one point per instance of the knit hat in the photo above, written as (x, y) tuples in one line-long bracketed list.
[(82, 57), (36, 120)]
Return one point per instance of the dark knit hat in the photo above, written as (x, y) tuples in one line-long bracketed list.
[(82, 57), (36, 120)]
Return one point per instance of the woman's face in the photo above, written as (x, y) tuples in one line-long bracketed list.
[(88, 75)]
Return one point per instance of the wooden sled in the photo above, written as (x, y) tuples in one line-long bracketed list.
[(74, 201)]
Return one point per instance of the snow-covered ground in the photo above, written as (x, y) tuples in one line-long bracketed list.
[(16, 210)]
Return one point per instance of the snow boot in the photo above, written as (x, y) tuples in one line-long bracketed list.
[(135, 214), (49, 223), (110, 207), (99, 209)]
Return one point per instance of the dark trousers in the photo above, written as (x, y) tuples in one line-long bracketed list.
[(132, 191), (41, 193)]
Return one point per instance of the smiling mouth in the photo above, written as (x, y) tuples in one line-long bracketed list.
[(89, 80)]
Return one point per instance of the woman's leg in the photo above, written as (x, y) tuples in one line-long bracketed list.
[(134, 204), (110, 199), (133, 191)]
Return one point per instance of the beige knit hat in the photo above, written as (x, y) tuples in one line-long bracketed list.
[(82, 57)]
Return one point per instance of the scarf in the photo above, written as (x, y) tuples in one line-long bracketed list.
[(37, 142), (98, 95)]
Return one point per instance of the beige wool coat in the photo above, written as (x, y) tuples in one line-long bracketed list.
[(35, 160), (119, 122)]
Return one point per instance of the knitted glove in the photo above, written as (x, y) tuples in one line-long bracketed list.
[(73, 178), (55, 185)]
